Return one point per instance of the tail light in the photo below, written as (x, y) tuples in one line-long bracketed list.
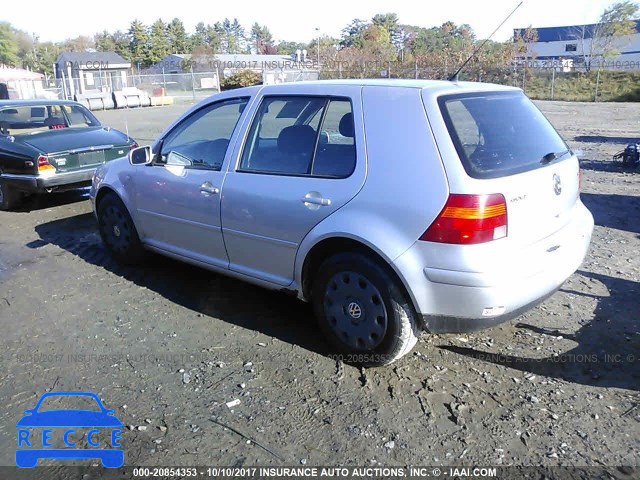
[(44, 165), (469, 219)]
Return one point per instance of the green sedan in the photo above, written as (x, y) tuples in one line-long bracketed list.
[(51, 146)]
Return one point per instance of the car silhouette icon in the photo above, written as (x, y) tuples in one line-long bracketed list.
[(69, 419)]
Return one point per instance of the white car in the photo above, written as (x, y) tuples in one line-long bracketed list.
[(393, 206)]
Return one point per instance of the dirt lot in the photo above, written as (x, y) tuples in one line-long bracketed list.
[(168, 345)]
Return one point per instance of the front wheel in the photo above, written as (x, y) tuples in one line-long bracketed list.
[(363, 310), (118, 231), (9, 197)]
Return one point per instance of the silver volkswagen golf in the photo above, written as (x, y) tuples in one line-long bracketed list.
[(392, 206)]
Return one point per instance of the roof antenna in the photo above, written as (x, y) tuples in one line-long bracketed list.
[(454, 77)]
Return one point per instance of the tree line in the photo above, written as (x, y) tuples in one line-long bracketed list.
[(382, 40), (383, 37)]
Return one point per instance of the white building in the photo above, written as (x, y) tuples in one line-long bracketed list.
[(573, 48), (23, 84)]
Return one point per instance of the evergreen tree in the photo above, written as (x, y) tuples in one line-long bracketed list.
[(138, 43), (352, 34), (104, 42), (178, 40), (158, 42), (261, 39)]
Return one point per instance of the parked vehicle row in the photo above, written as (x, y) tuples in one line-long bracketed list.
[(392, 206), (48, 146)]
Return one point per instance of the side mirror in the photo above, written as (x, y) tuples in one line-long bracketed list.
[(141, 156)]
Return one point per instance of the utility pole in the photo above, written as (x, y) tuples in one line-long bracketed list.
[(318, 30)]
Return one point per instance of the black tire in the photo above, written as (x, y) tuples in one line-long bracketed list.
[(363, 310), (9, 197), (118, 232)]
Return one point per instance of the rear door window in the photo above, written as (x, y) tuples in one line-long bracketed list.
[(301, 136), (498, 134)]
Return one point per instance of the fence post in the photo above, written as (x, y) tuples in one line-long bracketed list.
[(64, 86), (595, 97), (553, 82), (193, 84)]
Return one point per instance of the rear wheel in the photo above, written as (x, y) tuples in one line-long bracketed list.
[(9, 198), (363, 310), (118, 231)]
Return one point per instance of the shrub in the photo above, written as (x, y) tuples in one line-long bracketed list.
[(243, 78)]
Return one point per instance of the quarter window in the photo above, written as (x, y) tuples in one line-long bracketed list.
[(336, 153), (79, 116), (301, 136), (202, 140)]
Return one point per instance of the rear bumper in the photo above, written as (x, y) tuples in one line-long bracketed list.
[(442, 324), (518, 277), (52, 182)]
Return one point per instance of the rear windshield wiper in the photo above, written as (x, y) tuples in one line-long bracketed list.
[(551, 156)]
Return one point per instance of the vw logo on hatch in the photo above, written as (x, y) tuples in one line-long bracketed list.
[(557, 184)]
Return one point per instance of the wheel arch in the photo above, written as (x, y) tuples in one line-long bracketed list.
[(329, 246), (105, 190)]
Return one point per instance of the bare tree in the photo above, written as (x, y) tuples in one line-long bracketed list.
[(604, 39), (524, 41)]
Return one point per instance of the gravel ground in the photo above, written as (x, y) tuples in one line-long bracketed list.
[(168, 345)]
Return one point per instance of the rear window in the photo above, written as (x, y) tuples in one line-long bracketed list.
[(499, 134), (29, 119)]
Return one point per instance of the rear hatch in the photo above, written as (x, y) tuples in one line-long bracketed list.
[(506, 146), (78, 148)]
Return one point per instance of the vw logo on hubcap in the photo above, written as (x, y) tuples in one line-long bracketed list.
[(354, 310), (116, 231)]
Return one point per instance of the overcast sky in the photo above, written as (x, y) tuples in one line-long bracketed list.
[(293, 20)]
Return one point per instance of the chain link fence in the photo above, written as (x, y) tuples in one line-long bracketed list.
[(178, 87), (540, 80)]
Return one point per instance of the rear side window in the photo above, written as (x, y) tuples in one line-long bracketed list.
[(500, 134), (79, 116), (301, 136)]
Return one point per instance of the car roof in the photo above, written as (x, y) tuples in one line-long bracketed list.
[(406, 83), (430, 87), (392, 82), (35, 102)]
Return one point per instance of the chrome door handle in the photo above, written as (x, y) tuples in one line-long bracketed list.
[(314, 198), (325, 202), (207, 189)]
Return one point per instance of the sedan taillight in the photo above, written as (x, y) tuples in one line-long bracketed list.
[(469, 219), (44, 165)]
